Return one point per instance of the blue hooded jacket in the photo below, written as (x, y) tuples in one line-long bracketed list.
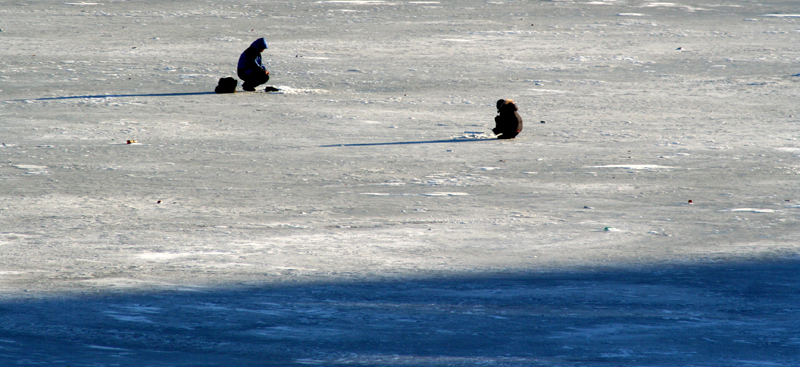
[(250, 60)]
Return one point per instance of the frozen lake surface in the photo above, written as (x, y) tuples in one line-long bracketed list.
[(364, 214)]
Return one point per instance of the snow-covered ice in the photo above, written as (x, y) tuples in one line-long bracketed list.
[(364, 213)]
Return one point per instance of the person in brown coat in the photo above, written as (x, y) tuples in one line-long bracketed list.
[(508, 122)]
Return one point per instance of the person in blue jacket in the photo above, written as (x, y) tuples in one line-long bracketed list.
[(250, 69)]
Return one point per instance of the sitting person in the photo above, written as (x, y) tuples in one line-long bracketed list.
[(250, 68), (508, 122)]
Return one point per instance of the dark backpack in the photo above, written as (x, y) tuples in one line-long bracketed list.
[(226, 85)]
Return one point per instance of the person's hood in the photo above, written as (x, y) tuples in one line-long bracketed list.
[(259, 44), (509, 105), (500, 103)]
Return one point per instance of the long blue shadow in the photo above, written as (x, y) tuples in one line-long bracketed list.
[(117, 96), (406, 143), (671, 315)]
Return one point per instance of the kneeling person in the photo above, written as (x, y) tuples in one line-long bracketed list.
[(250, 68), (508, 122)]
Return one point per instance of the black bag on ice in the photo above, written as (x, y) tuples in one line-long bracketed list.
[(226, 85)]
